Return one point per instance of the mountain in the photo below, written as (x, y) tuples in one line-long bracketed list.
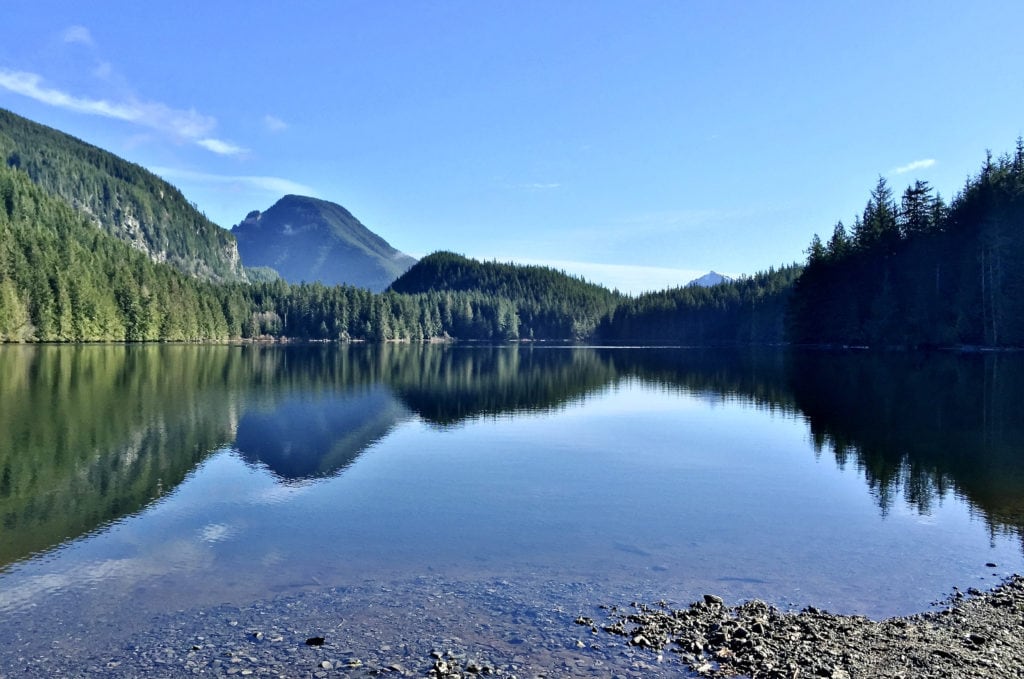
[(449, 271), (122, 198), (544, 302), (311, 436), (709, 279), (307, 239)]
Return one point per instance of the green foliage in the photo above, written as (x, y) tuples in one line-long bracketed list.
[(64, 280), (922, 273), (125, 199), (261, 274), (489, 300), (747, 311)]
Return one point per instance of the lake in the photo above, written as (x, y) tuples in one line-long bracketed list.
[(488, 494)]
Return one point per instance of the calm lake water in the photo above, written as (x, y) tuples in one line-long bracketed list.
[(141, 480)]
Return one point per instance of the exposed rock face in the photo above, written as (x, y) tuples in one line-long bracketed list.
[(234, 259)]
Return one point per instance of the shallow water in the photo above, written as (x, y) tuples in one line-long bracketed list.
[(141, 481)]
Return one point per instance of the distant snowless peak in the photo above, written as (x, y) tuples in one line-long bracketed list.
[(709, 279)]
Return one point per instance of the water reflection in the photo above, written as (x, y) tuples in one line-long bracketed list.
[(922, 426), (92, 434), (447, 386), (303, 437)]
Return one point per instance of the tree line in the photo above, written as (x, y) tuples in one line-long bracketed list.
[(910, 272), (916, 272), (64, 280), (750, 310)]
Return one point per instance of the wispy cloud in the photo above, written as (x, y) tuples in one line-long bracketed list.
[(220, 147), (533, 186), (274, 124), (77, 35), (187, 125), (275, 185), (916, 165)]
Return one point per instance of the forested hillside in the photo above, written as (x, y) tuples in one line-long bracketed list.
[(64, 280), (911, 273), (125, 199), (750, 310), (548, 303), (919, 273)]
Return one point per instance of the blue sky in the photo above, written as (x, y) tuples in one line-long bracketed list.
[(637, 143)]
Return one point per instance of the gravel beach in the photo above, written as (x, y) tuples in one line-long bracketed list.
[(977, 634), (501, 629)]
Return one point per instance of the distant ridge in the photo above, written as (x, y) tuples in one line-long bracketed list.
[(308, 239), (709, 279)]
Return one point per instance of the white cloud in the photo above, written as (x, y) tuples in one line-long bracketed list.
[(220, 147), (30, 85), (534, 186), (275, 185), (186, 125), (78, 35), (916, 165), (215, 532), (274, 124)]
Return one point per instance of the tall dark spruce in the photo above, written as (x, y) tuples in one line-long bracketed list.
[(918, 273)]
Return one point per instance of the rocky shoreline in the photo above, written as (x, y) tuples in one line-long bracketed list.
[(435, 629), (976, 635)]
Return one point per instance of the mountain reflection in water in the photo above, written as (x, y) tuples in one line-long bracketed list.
[(91, 434)]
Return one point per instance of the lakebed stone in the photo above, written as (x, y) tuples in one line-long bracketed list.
[(470, 627)]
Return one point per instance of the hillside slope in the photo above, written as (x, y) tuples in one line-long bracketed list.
[(64, 280), (123, 198), (551, 303)]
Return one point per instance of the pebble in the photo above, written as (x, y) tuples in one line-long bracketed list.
[(501, 629), (815, 643)]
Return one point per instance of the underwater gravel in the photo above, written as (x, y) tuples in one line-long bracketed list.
[(427, 627)]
